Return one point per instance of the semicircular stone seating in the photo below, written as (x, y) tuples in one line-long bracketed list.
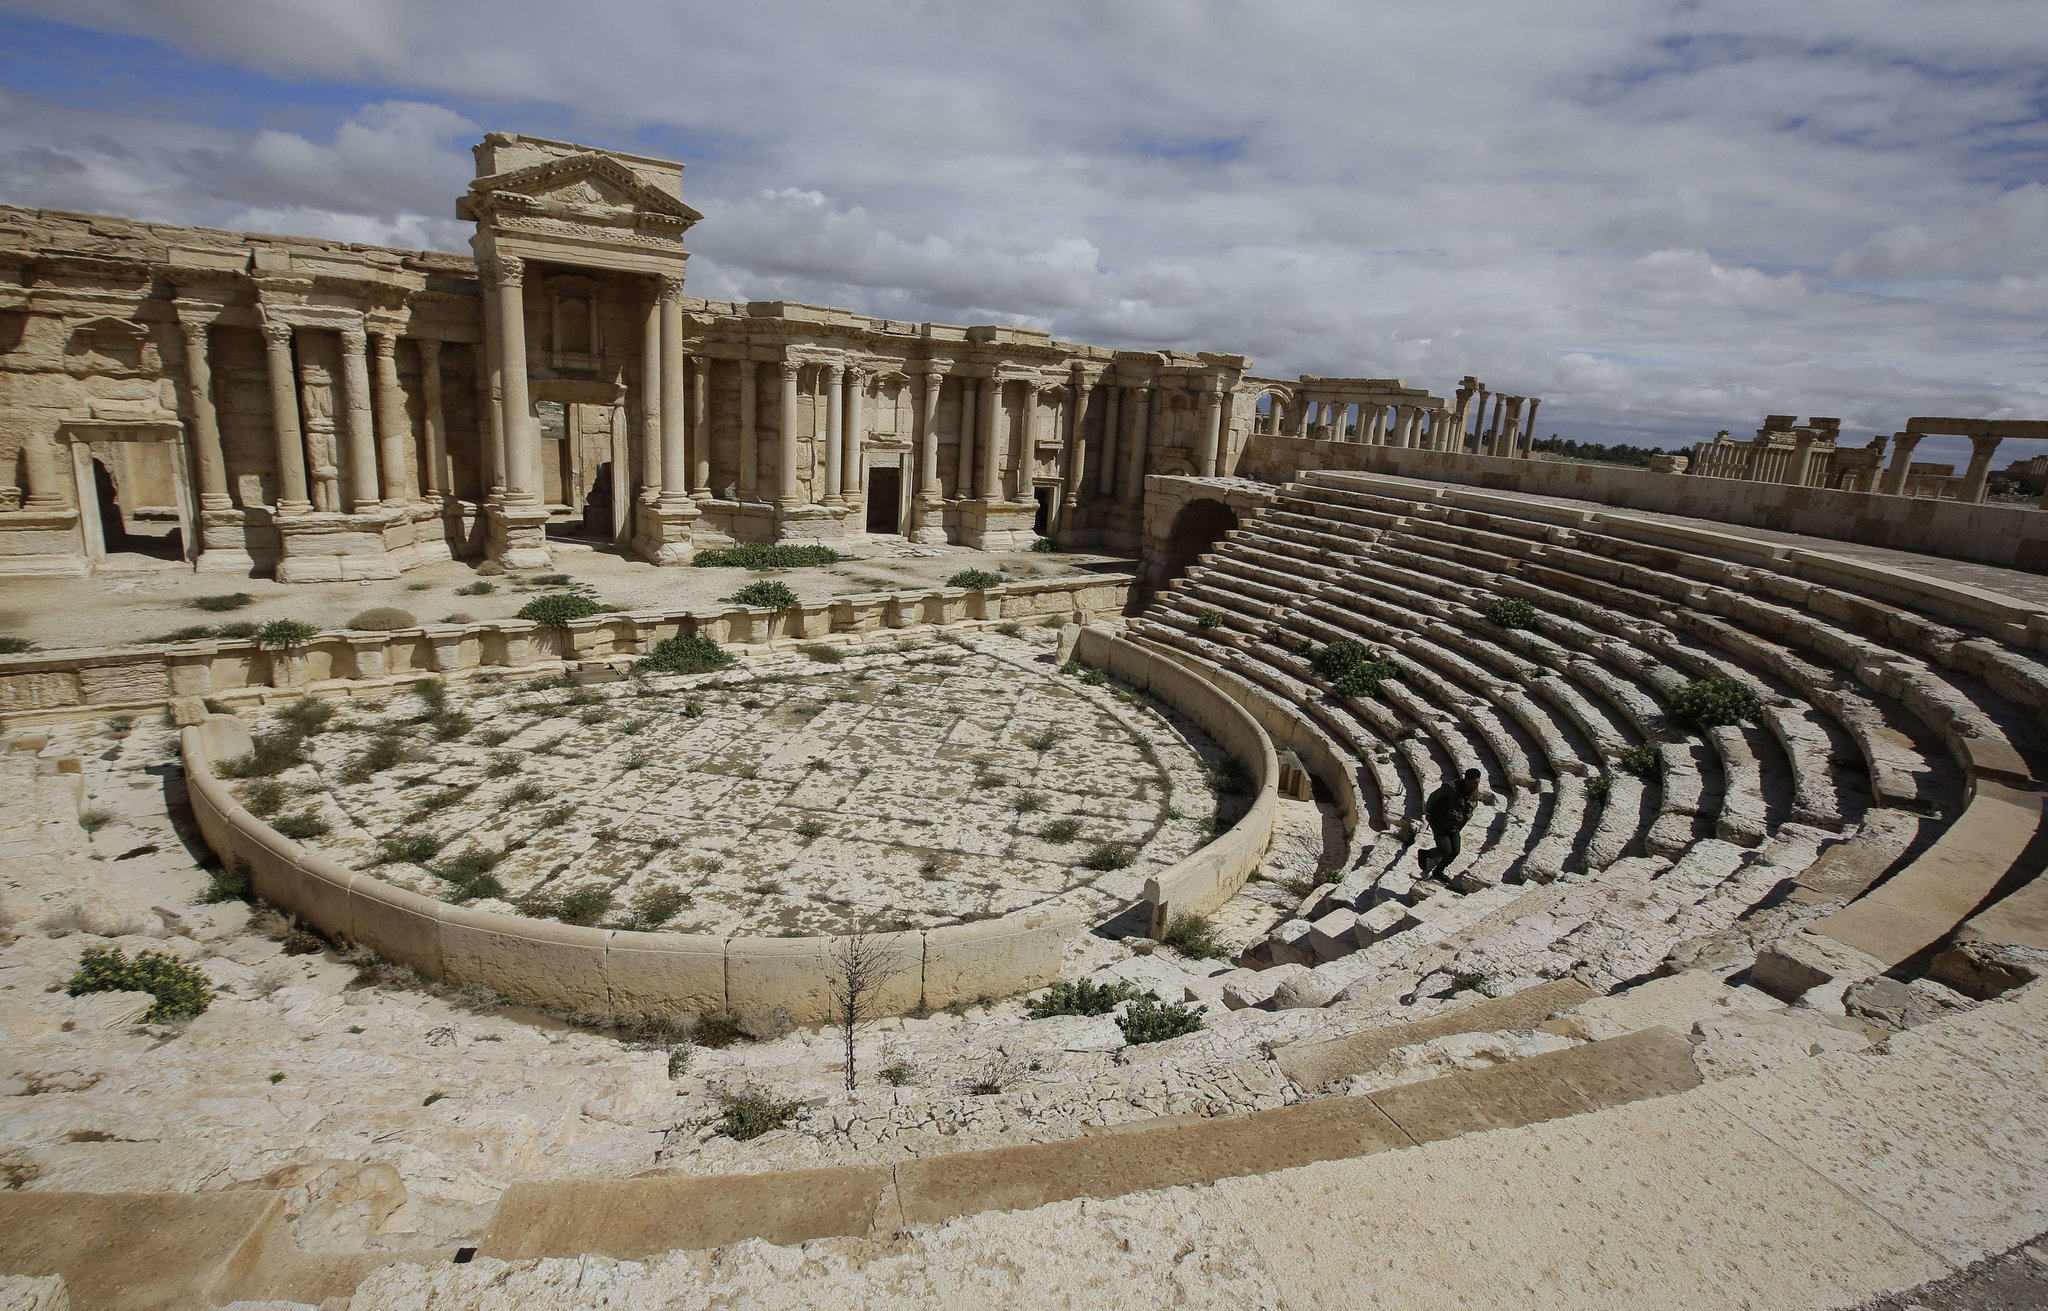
[(1882, 813)]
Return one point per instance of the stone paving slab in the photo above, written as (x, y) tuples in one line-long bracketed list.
[(1314, 1065), (135, 1251)]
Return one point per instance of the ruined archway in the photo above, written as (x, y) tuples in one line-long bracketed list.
[(1196, 529)]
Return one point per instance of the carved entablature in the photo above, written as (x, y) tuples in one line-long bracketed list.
[(567, 204)]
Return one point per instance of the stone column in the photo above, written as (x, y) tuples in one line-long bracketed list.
[(490, 418), (521, 432), (358, 427), (835, 433), (928, 433), (394, 430), (750, 442), (213, 474), (992, 440), (700, 427), (675, 452), (1901, 470), (963, 467), (1800, 465), (1376, 431), (1529, 434), (291, 494), (1493, 424), (1142, 400), (1077, 438), (1397, 433), (851, 481), (650, 400), (45, 475), (1479, 420), (789, 493), (1978, 475), (437, 471), (1510, 427), (1112, 420), (1212, 427)]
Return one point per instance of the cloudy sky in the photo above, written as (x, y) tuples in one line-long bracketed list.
[(1664, 216)]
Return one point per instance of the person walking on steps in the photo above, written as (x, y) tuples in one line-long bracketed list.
[(1448, 809)]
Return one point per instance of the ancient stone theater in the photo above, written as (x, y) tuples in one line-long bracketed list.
[(698, 803)]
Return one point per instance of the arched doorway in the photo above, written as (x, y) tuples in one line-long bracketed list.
[(1196, 529)]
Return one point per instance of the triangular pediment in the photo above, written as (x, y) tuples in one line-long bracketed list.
[(587, 187)]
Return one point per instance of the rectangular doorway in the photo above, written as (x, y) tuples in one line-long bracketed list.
[(885, 494)]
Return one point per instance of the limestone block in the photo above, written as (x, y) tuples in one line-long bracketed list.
[(534, 961), (1244, 989), (1794, 965), (1334, 934), (1384, 920), (398, 925), (1310, 990), (34, 1293), (1290, 944), (1069, 635), (187, 711), (40, 690), (1737, 1046), (125, 682), (666, 973), (993, 958)]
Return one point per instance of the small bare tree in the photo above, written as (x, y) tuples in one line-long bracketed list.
[(859, 965)]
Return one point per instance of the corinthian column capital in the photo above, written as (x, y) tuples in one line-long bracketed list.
[(670, 288)]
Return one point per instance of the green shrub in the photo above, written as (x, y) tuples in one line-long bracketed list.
[(1229, 778), (765, 593), (181, 991), (470, 872), (15, 645), (1644, 761), (975, 580), (307, 716), (749, 1114), (263, 797), (1598, 786), (1106, 856), (1353, 668), (1192, 935), (823, 654), (1045, 546), (383, 619), (222, 601), (1079, 997), (758, 557), (1060, 831), (1045, 739), (480, 587), (684, 655), (229, 882), (384, 751), (810, 828), (657, 904), (1028, 803), (583, 907), (407, 846), (300, 827), (1510, 612), (269, 754), (503, 765), (557, 609), (1208, 619), (451, 724), (284, 635), (1715, 703), (1154, 1021)]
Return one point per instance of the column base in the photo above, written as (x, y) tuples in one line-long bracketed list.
[(929, 513), (225, 534), (516, 536), (327, 548), (997, 525), (42, 543), (810, 523), (664, 532)]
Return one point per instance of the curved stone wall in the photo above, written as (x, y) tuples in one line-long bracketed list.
[(591, 969)]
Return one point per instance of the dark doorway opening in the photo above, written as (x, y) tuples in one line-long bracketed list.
[(1041, 522), (597, 505), (1199, 527), (116, 537), (885, 494)]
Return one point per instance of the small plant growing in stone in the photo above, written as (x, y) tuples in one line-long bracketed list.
[(481, 587), (1193, 936), (383, 619), (16, 646), (657, 904), (229, 882), (1045, 739), (559, 609), (307, 716), (470, 872), (300, 827), (1010, 629), (286, 635), (750, 1113), (94, 818), (1642, 760), (495, 737), (524, 793), (1715, 702), (407, 846), (1354, 669), (1229, 778), (1598, 786), (263, 797), (761, 557), (1208, 619), (896, 1074), (584, 906), (693, 709), (975, 580), (684, 655), (181, 990), (1060, 831), (810, 828), (222, 601), (269, 754), (1510, 612), (1106, 856), (1028, 803), (556, 816), (823, 654), (858, 966), (765, 594), (1078, 997), (1147, 1020), (594, 716), (503, 765), (635, 760)]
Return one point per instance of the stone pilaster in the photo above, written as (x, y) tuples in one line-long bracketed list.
[(436, 477), (700, 428), (207, 455), (835, 433), (1212, 427), (650, 401), (750, 453), (1105, 482), (292, 494), (992, 440), (394, 430), (789, 493), (357, 425)]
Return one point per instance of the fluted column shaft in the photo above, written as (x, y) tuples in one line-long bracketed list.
[(1105, 482), (788, 493), (850, 480), (963, 464), (928, 434), (1977, 477), (360, 429), (213, 474), (437, 473), (992, 441), (1529, 432), (650, 399), (1141, 437), (835, 433), (1077, 437), (1212, 428), (675, 453), (522, 434), (1901, 470), (750, 442), (394, 431), (700, 428)]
